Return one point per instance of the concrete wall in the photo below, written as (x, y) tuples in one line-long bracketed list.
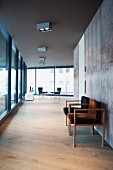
[(98, 44), (76, 72)]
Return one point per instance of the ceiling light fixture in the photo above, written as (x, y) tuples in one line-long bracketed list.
[(41, 61), (42, 49), (44, 27)]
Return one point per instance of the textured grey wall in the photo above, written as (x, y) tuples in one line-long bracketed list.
[(98, 42)]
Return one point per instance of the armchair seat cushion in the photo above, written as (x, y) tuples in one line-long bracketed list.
[(65, 109), (83, 120), (87, 121)]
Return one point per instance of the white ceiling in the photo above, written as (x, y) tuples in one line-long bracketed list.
[(70, 19)]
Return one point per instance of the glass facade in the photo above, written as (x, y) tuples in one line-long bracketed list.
[(45, 79), (3, 74), (12, 73), (23, 77), (19, 77), (64, 78), (50, 79), (31, 80), (16, 79)]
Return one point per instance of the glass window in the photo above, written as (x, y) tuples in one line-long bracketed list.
[(19, 79), (45, 79), (60, 82), (13, 75), (23, 78), (31, 80), (3, 75), (65, 80)]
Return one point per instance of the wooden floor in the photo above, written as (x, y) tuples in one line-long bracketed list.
[(35, 138)]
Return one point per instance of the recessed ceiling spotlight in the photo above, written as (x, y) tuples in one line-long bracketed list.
[(42, 49), (44, 27)]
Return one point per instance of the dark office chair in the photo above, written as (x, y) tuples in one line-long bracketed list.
[(41, 92), (57, 92)]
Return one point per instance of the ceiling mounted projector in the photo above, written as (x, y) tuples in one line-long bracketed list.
[(44, 27)]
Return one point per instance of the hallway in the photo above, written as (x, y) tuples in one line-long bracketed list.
[(35, 138)]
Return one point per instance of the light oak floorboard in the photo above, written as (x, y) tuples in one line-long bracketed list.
[(35, 138)]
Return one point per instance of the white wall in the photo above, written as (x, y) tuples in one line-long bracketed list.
[(81, 67)]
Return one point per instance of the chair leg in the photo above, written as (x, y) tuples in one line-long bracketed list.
[(103, 134), (74, 137), (69, 127), (66, 120), (92, 130), (103, 128)]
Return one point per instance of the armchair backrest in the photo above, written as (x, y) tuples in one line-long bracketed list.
[(40, 90), (58, 90), (93, 104), (85, 100)]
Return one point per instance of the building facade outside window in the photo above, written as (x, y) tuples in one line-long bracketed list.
[(65, 80), (45, 79)]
